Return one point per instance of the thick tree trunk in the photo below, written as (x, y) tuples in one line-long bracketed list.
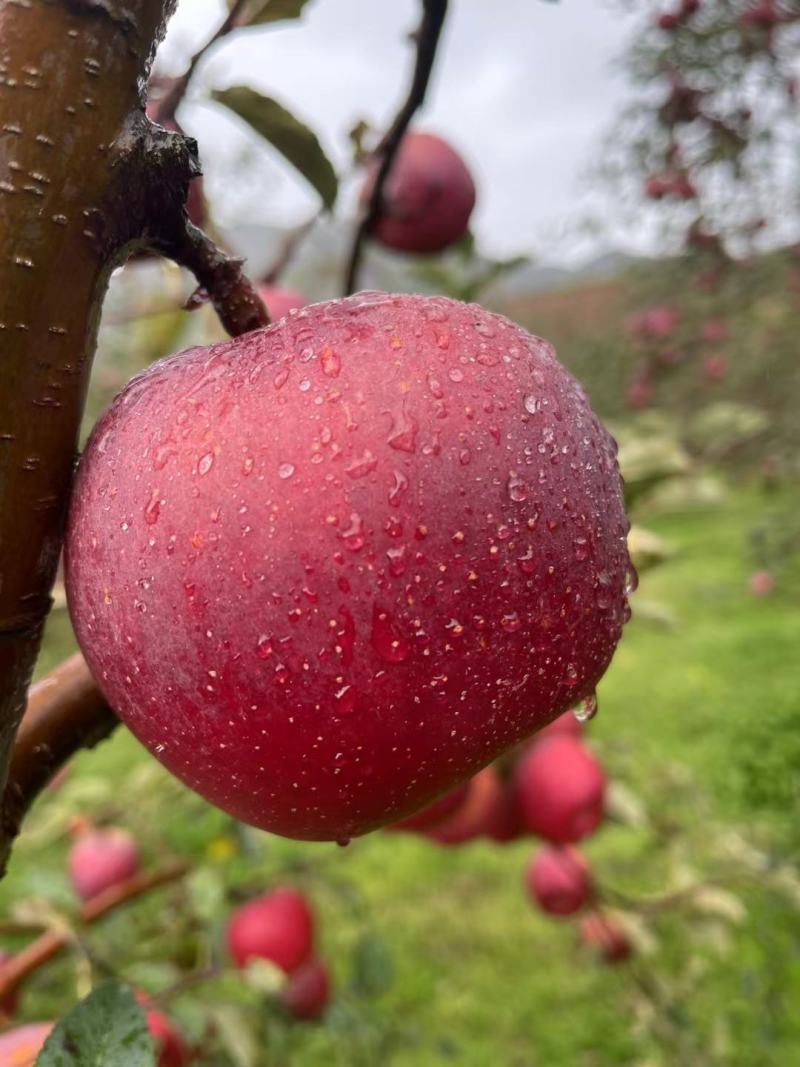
[(72, 142)]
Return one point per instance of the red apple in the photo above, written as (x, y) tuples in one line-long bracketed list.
[(560, 790), (714, 331), (564, 724), (475, 815), (504, 823), (21, 1046), (606, 937), (715, 368), (278, 927), (170, 1048), (101, 858), (330, 569), (558, 880), (761, 583), (436, 812), (655, 323), (639, 394), (668, 22), (427, 199), (280, 301), (307, 992)]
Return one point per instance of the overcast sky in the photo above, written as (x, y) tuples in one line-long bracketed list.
[(523, 88)]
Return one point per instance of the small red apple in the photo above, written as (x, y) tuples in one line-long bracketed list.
[(605, 936), (475, 815), (714, 331), (434, 813), (564, 724), (21, 1046), (171, 1050), (427, 199), (715, 368), (99, 859), (761, 583), (668, 22), (360, 553), (560, 790), (307, 992), (655, 323), (280, 301), (278, 927), (639, 394), (558, 880)]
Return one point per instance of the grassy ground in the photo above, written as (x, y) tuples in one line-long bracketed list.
[(438, 957)]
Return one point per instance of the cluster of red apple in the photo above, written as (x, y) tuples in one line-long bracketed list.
[(553, 788), (277, 927), (671, 20), (654, 332)]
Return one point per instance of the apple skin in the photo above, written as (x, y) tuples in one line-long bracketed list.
[(308, 991), (280, 301), (434, 813), (170, 1048), (427, 198), (21, 1046), (278, 926), (603, 935), (558, 880), (329, 570), (560, 790), (99, 859)]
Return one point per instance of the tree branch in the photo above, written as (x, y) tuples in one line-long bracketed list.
[(49, 944), (170, 102), (427, 41), (65, 713)]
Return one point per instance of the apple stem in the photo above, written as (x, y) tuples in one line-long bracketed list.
[(426, 39)]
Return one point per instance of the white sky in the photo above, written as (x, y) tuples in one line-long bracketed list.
[(523, 88)]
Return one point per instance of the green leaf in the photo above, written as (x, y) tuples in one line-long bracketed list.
[(275, 11), (107, 1029), (294, 140)]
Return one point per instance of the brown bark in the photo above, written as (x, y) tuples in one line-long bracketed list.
[(84, 177), (70, 76)]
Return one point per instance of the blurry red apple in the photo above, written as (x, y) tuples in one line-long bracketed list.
[(475, 815), (564, 724), (558, 880), (436, 812), (605, 937), (427, 198), (101, 858), (330, 569), (504, 822), (560, 790), (278, 927), (668, 22), (21, 1046), (280, 301), (639, 394), (170, 1048), (715, 368), (761, 583), (714, 331), (307, 992), (655, 323)]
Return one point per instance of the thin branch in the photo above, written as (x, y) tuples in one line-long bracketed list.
[(170, 102), (235, 300), (52, 942), (427, 41), (287, 248)]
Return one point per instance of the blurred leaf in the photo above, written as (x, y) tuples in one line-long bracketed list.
[(719, 427), (625, 806), (107, 1029), (264, 11), (206, 893), (292, 138), (719, 902), (647, 459), (236, 1033), (265, 976), (373, 970), (647, 549), (654, 611)]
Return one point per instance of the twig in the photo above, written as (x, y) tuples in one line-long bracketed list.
[(169, 103), (233, 296), (187, 981), (288, 246), (65, 713), (427, 40), (49, 944)]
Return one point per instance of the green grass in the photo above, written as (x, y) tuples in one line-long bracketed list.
[(439, 958)]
